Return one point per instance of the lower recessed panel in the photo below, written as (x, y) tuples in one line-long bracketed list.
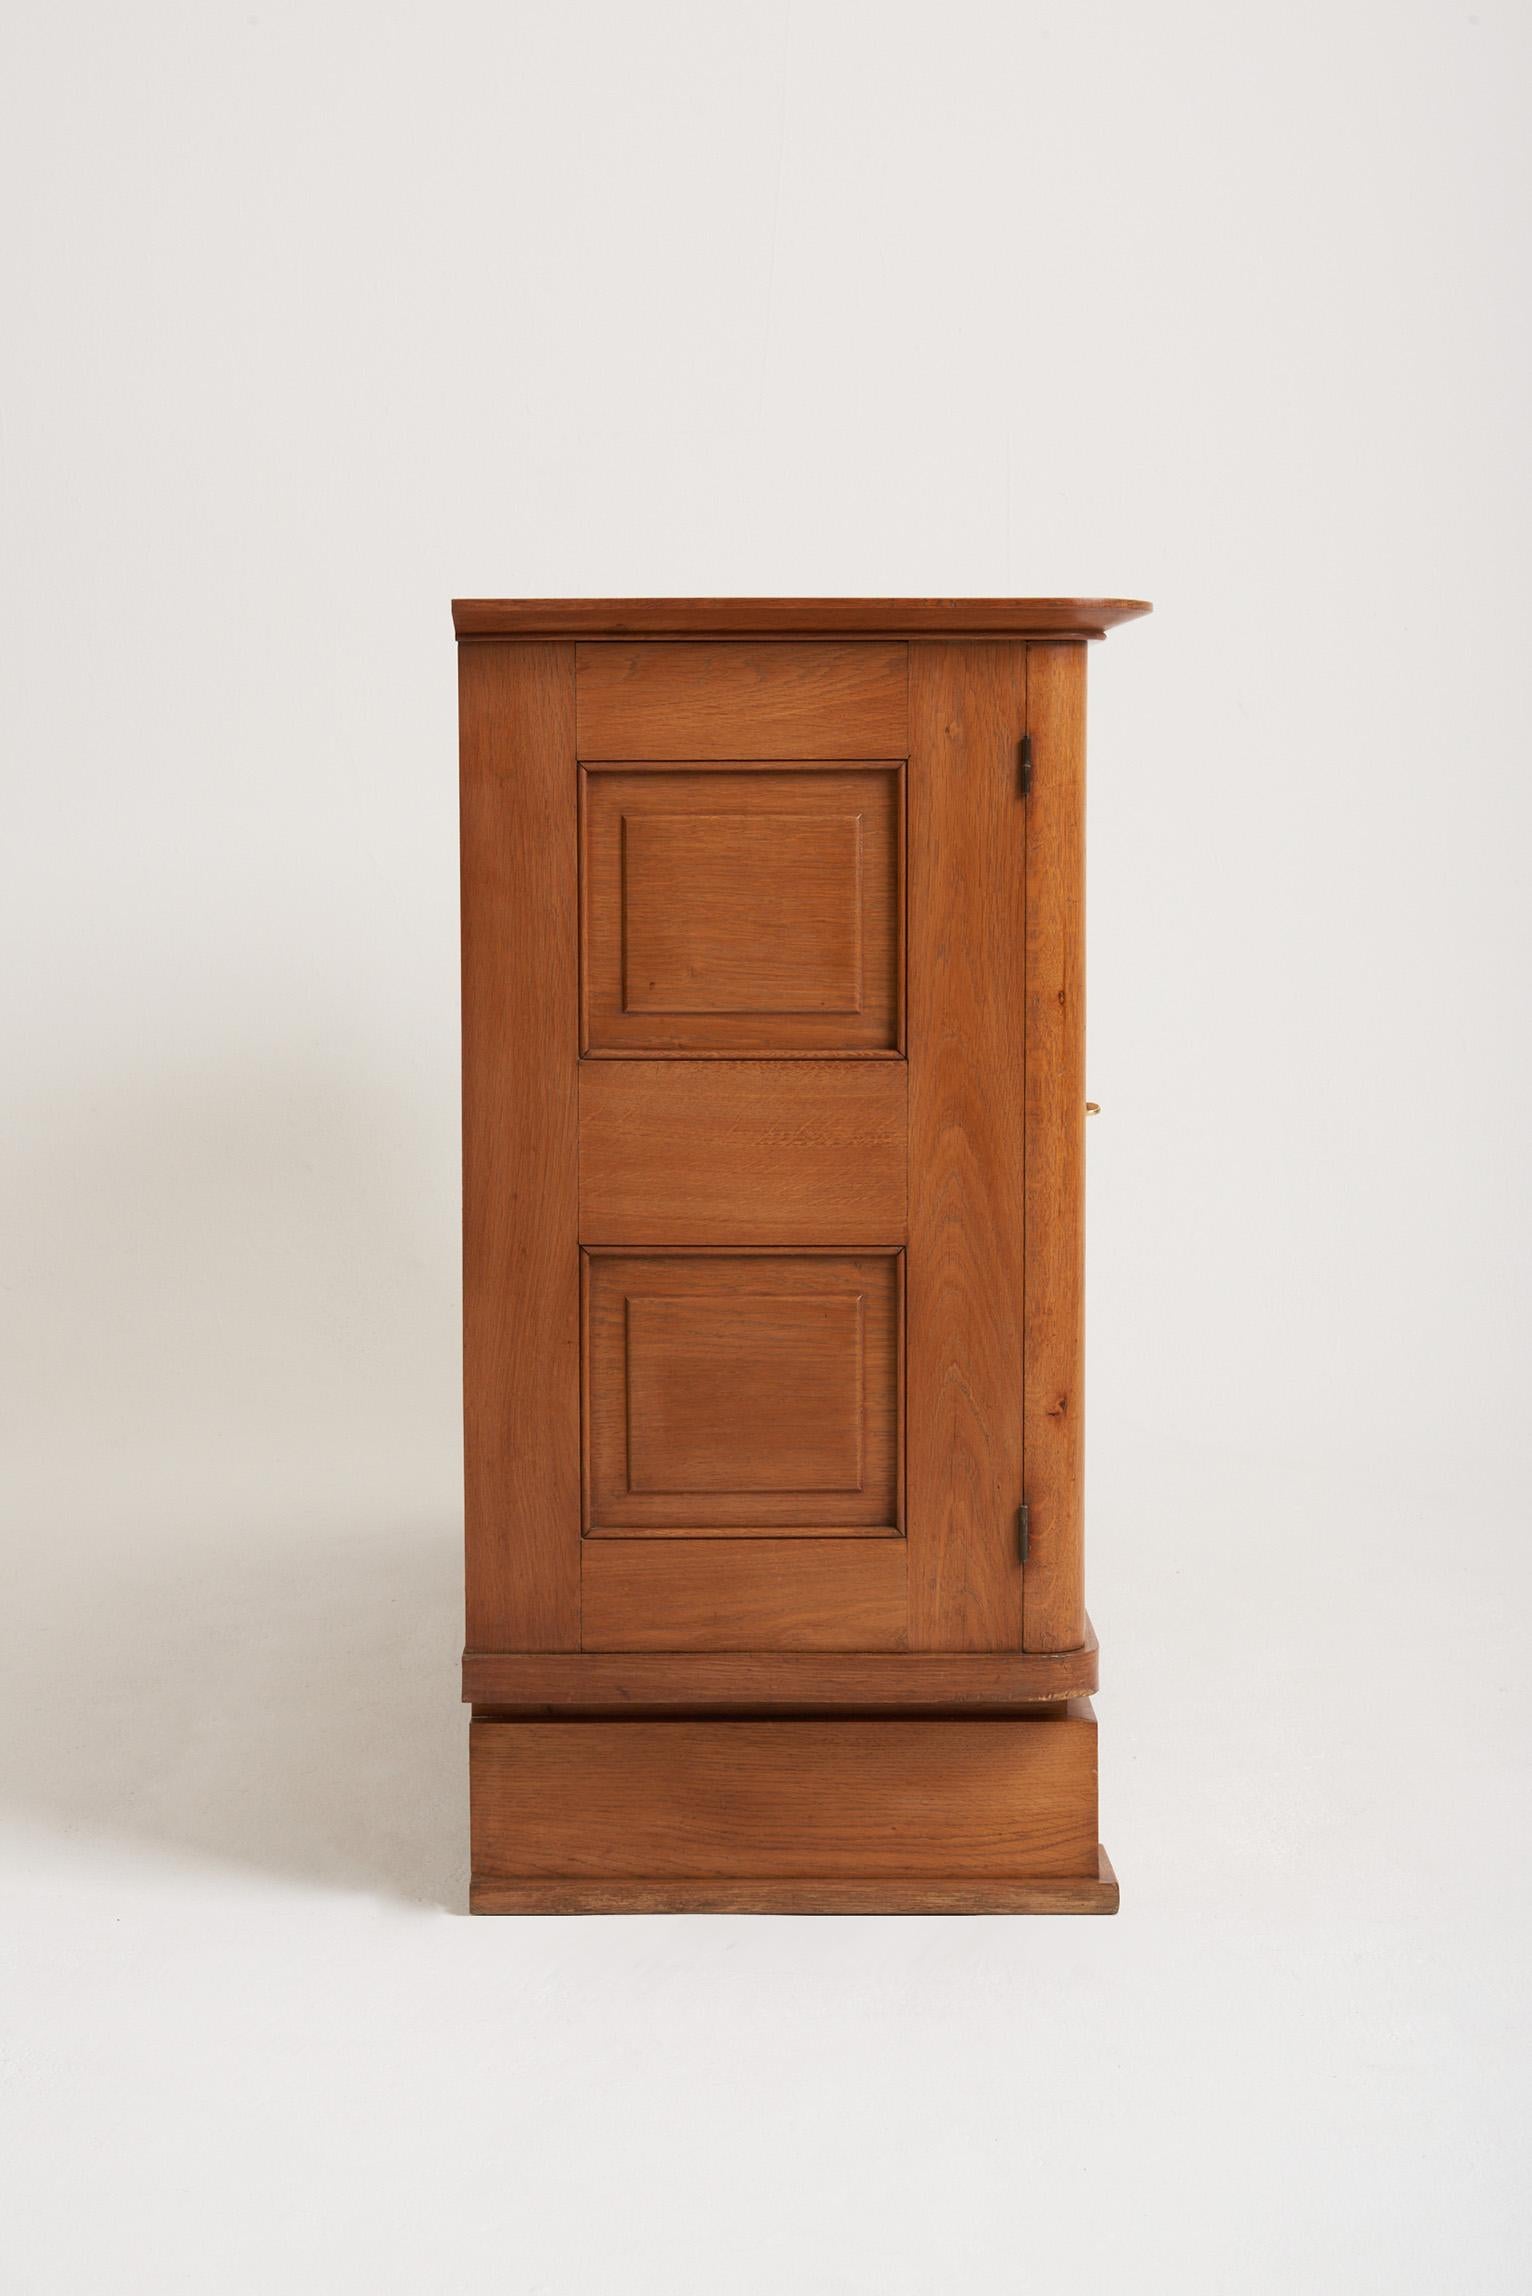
[(742, 1393)]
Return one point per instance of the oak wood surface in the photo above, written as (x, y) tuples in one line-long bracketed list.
[(1095, 1894), (741, 701), (743, 1594), (967, 889), (991, 1798), (521, 1300), (1054, 1350), (742, 1152), (704, 618), (748, 912), (734, 1393), (833, 1010), (757, 1678)]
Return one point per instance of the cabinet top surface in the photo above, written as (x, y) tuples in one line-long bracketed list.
[(791, 617)]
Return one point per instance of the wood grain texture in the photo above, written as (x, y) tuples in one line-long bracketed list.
[(742, 1152), (748, 912), (705, 618), (967, 887), (745, 701), (1055, 1171), (757, 1393), (1097, 1894), (990, 1798), (730, 1394), (521, 1305), (753, 1678), (742, 913), (744, 1594)]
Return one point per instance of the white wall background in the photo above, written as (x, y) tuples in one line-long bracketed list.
[(319, 314)]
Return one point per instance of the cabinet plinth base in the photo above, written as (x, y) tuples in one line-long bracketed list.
[(972, 1814), (1093, 1894)]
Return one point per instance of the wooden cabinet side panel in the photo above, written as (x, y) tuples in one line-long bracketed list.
[(521, 1295), (966, 994), (1055, 1166)]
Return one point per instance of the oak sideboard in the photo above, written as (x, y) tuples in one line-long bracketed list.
[(773, 1156)]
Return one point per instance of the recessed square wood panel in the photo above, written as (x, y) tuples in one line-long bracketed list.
[(741, 912), (754, 910), (798, 1357), (741, 1392)]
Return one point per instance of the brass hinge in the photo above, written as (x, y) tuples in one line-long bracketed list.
[(1023, 1529), (1024, 764)]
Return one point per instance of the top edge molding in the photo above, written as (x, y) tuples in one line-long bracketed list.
[(620, 618)]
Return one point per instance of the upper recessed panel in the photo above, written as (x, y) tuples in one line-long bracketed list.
[(745, 911), (741, 912)]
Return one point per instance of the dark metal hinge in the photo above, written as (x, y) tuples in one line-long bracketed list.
[(1023, 1529), (1024, 764)]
